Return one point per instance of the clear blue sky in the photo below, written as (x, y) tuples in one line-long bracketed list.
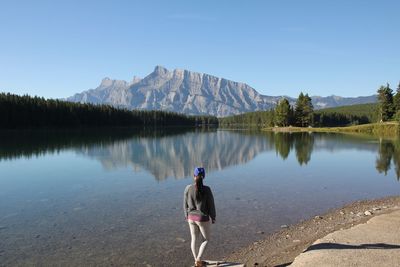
[(342, 47)]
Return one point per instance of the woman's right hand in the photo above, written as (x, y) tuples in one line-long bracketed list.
[(213, 221)]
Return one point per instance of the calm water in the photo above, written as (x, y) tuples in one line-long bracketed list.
[(115, 198)]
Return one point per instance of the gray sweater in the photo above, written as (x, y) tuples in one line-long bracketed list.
[(205, 206)]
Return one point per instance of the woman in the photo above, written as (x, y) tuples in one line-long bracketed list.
[(199, 206)]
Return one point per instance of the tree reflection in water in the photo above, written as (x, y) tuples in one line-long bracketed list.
[(388, 153), (302, 143), (172, 153)]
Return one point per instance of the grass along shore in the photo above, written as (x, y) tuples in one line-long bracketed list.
[(385, 128)]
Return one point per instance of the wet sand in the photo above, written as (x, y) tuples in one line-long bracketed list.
[(280, 248)]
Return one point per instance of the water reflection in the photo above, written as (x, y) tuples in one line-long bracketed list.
[(174, 156), (172, 152), (388, 153), (302, 143), (34, 143)]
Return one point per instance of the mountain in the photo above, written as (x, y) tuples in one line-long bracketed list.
[(189, 92), (337, 101)]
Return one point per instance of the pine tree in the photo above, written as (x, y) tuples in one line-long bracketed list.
[(385, 99), (308, 111), (282, 113), (396, 99), (304, 110), (298, 112)]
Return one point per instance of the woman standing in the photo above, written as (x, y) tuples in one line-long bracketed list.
[(199, 206)]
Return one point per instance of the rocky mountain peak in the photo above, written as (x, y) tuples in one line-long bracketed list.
[(178, 72), (193, 93), (135, 79), (160, 70), (106, 81)]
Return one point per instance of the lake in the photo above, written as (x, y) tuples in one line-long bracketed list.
[(115, 197)]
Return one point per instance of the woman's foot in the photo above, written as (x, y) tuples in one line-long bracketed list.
[(200, 264)]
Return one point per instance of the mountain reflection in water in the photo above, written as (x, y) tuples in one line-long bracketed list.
[(171, 153), (73, 195)]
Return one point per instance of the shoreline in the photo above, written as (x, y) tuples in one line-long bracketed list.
[(281, 248), (385, 128)]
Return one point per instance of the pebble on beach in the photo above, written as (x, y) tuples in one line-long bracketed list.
[(367, 213)]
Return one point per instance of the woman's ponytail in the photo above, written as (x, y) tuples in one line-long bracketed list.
[(199, 187), (199, 174)]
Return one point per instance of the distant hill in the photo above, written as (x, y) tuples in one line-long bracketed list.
[(320, 102), (193, 93), (367, 110), (346, 115)]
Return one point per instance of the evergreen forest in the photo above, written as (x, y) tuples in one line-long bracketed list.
[(19, 112), (302, 113)]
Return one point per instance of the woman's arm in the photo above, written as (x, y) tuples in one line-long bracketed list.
[(185, 199), (211, 206)]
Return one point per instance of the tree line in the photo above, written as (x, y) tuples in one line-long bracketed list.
[(37, 112), (302, 113), (346, 115), (283, 114), (256, 118), (388, 103)]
